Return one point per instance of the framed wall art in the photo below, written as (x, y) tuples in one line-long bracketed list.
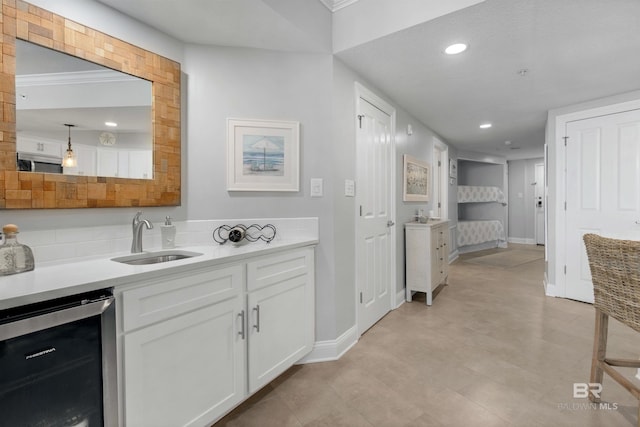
[(263, 155), (417, 182), (453, 168)]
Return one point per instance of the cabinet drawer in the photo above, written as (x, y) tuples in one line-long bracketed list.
[(168, 298), (274, 269)]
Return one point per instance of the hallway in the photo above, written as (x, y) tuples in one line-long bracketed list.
[(491, 351)]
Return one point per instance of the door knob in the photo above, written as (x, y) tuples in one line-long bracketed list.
[(390, 223)]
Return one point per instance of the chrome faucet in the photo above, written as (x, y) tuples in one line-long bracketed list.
[(136, 244)]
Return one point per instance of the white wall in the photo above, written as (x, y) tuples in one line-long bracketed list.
[(247, 83)]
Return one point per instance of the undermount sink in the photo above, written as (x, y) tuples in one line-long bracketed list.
[(155, 257)]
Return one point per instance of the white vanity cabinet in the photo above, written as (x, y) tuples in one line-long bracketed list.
[(427, 257), (183, 355), (280, 297), (196, 345)]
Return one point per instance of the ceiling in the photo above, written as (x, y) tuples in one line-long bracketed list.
[(570, 50)]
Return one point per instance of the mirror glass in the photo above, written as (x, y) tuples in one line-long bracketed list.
[(111, 114)]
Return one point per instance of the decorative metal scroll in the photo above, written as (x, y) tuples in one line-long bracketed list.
[(240, 232)]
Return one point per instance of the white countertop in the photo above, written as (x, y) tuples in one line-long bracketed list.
[(56, 280)]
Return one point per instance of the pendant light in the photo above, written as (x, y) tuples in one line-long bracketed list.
[(69, 159)]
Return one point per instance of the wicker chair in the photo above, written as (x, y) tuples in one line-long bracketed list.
[(615, 271)]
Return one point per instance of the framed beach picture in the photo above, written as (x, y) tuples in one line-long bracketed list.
[(453, 168), (263, 155), (416, 180)]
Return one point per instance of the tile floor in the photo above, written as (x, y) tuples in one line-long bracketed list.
[(491, 351)]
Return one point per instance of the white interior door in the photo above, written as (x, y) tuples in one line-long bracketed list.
[(539, 203), (602, 189), (375, 255)]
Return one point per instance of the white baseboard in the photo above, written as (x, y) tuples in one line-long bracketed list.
[(454, 256), (480, 246), (324, 351), (549, 288), (522, 240), (401, 297)]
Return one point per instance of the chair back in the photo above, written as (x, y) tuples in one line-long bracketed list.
[(615, 271)]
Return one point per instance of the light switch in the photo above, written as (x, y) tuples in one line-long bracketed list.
[(349, 188), (316, 187)]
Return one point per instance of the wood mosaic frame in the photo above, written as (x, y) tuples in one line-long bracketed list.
[(31, 190)]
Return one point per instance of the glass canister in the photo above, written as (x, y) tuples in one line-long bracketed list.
[(14, 257)]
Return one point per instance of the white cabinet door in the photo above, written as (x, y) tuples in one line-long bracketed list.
[(86, 161), (107, 163), (186, 371), (184, 355), (26, 145), (281, 314), (123, 164), (141, 164)]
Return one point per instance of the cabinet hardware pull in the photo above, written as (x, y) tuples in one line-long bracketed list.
[(257, 325), (241, 315)]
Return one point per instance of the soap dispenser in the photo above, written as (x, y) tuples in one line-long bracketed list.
[(168, 234)]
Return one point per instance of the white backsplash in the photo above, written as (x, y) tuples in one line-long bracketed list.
[(73, 244)]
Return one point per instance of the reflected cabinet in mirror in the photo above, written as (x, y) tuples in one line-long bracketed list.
[(123, 105), (110, 114)]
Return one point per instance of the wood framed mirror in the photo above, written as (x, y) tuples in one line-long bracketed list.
[(34, 190)]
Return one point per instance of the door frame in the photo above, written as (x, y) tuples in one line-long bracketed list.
[(555, 241), (441, 153), (369, 96), (544, 205)]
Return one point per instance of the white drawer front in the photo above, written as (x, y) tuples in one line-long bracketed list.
[(278, 268), (165, 299)]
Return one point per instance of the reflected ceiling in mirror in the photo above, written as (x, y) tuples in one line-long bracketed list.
[(110, 111), (33, 190)]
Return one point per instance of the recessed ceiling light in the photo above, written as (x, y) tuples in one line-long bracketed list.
[(485, 126), (111, 124), (455, 49), (507, 143)]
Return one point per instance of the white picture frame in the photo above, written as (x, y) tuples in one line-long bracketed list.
[(263, 155), (453, 168), (416, 180)]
